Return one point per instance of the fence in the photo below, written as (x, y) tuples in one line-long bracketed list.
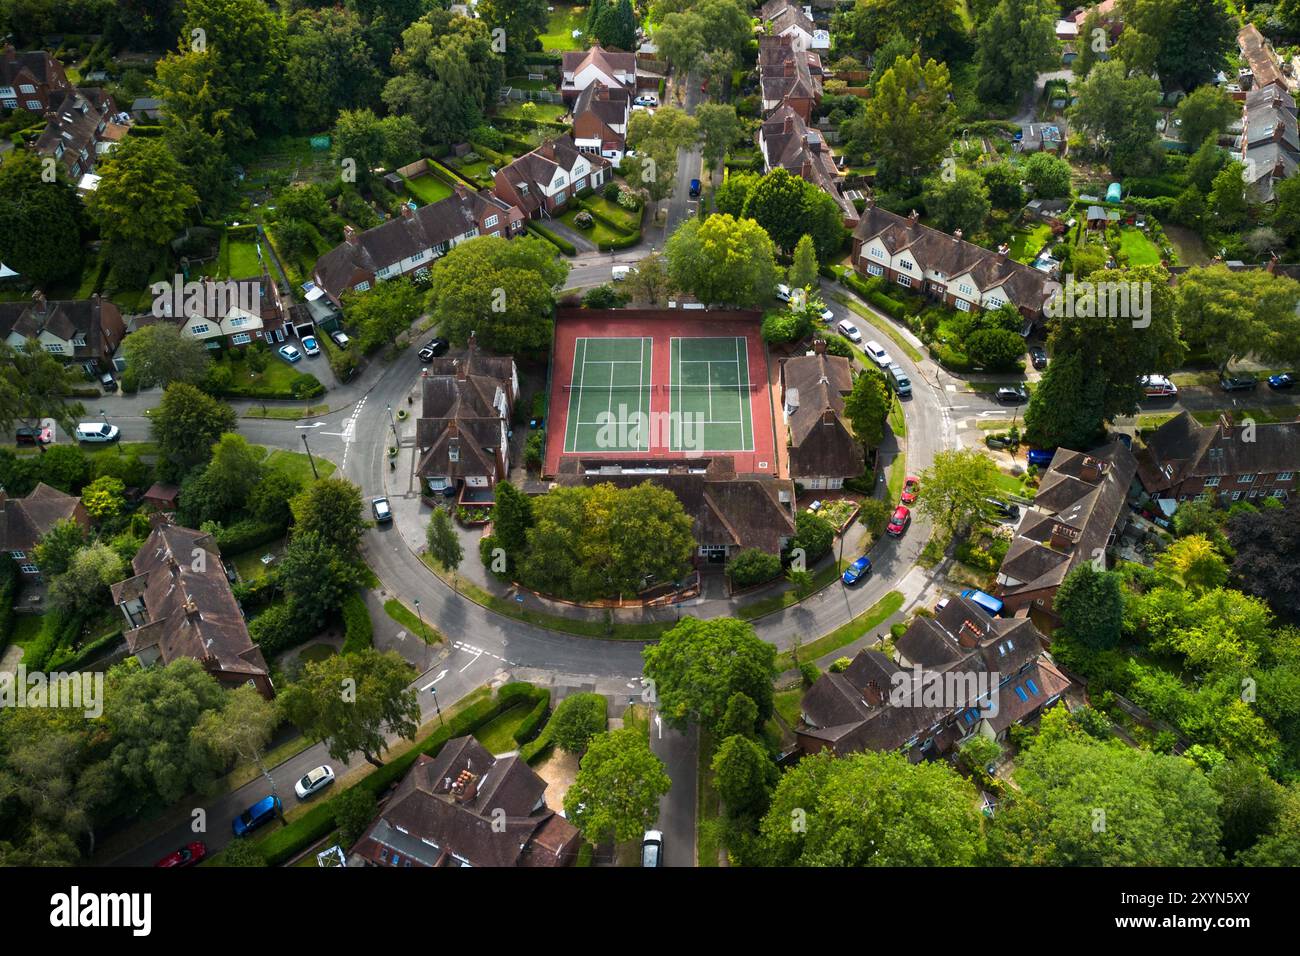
[(539, 96)]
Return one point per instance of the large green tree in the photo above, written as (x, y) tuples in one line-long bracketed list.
[(520, 22), (723, 260), (1185, 41), (1232, 314), (332, 508), (615, 794), (142, 197), (867, 405), (328, 66), (1013, 45), (908, 121), (35, 385), (958, 202), (160, 354), (1118, 111), (1090, 604), (956, 485), (1203, 114), (41, 222), (1065, 410), (186, 424)]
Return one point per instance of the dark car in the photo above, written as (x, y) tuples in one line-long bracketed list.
[(264, 811), (433, 349), (187, 855), (1042, 457), (993, 441), (1038, 355), (34, 436), (1001, 508), (1013, 394), (695, 189), (1238, 382), (1279, 382), (383, 513)]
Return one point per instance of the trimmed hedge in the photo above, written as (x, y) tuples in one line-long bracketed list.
[(302, 386), (246, 535), (532, 724), (624, 243), (8, 592), (358, 632)]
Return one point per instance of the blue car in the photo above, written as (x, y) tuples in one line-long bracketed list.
[(259, 813), (1042, 457), (858, 570), (1285, 380), (986, 601), (695, 189)]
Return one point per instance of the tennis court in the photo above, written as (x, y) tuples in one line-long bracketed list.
[(711, 394), (609, 395)]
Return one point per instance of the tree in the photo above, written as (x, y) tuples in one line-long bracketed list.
[(159, 354), (698, 665), (243, 854), (657, 140), (907, 123), (503, 291), (744, 776), (615, 25), (512, 516), (142, 198), (1094, 39), (1251, 803), (186, 424), (741, 717), (1087, 803), (1267, 561), (352, 702), (65, 467), (1227, 199), (936, 26), (1281, 846), (331, 507), (719, 127), (1203, 114), (732, 194), (444, 544), (233, 472), (1065, 410), (446, 75), (956, 486), (977, 752), (358, 139), (1090, 603), (41, 223), (521, 21), (83, 587), (1193, 563), (241, 729), (383, 312), (317, 577), (1204, 165), (328, 67), (354, 810), (615, 794), (774, 203), (867, 406), (1002, 180), (1186, 41), (649, 283), (958, 203), (803, 271), (722, 260), (57, 546), (921, 814), (1230, 314), (1118, 110), (33, 385), (1013, 45), (1286, 212), (104, 499), (813, 536), (578, 719), (1047, 175)]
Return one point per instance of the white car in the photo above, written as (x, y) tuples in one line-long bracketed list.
[(646, 99), (878, 354), (97, 432), (828, 316), (340, 339), (619, 273), (850, 331), (1157, 386), (783, 292), (314, 782), (652, 848)]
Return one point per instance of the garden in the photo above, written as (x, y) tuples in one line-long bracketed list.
[(559, 28)]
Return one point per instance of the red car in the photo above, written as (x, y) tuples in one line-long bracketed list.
[(911, 488), (898, 523), (187, 855)]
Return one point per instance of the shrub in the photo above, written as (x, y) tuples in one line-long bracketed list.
[(840, 665), (584, 220), (809, 672), (753, 566), (611, 191), (535, 450), (277, 629), (532, 724), (578, 718), (358, 632), (246, 535)]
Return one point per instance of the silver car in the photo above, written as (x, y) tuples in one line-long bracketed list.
[(314, 782)]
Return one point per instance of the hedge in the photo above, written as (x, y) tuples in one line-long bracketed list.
[(8, 592), (282, 845), (624, 243), (358, 632), (532, 724), (564, 245), (248, 534), (69, 659), (302, 386)]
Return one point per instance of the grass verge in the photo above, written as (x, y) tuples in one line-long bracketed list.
[(847, 633), (821, 579), (400, 613), (286, 413), (709, 823), (880, 324)]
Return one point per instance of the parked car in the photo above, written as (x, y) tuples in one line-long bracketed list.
[(1157, 386), (1042, 457), (647, 99), (858, 570), (34, 436), (1238, 382), (258, 814), (383, 513), (1279, 382), (309, 345), (652, 848), (619, 273), (340, 339), (187, 855), (107, 382), (850, 331), (899, 380), (783, 292), (97, 432), (994, 441), (986, 601), (314, 781), (433, 348), (827, 315), (911, 488), (1002, 508), (695, 189), (1012, 394), (876, 352), (1038, 356), (902, 517), (289, 354)]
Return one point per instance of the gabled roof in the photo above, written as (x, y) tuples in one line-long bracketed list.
[(821, 441), (37, 65), (459, 431), (786, 73), (537, 169), (1259, 56), (73, 122), (1182, 448), (609, 104), (23, 521), (781, 15), (610, 62), (67, 319)]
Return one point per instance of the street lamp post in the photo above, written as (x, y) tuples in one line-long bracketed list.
[(312, 460), (391, 423)]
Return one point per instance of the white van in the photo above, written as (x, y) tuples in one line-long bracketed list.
[(97, 432), (849, 331), (878, 354), (1157, 386), (621, 272)]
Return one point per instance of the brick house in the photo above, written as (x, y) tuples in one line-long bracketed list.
[(581, 68), (823, 449), (1076, 516), (787, 142), (463, 432), (24, 521), (27, 79), (542, 182), (231, 315), (466, 807), (600, 117), (789, 76), (781, 18), (1187, 461), (413, 241), (955, 675), (78, 130), (178, 603), (1269, 145), (81, 331), (946, 268)]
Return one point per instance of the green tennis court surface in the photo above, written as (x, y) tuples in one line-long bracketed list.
[(609, 398), (710, 395)]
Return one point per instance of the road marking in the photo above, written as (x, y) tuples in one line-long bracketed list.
[(436, 679), (312, 425), (480, 652)]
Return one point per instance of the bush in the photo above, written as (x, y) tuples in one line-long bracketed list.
[(531, 725), (277, 629), (753, 566), (535, 450), (578, 718), (809, 672), (246, 535), (840, 665), (584, 220), (358, 632)]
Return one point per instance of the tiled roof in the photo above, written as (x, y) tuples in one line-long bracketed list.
[(67, 319), (23, 521), (1182, 448), (821, 441)]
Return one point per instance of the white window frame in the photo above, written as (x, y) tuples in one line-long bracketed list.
[(875, 269), (962, 305), (1246, 479), (1285, 476), (905, 280), (1212, 482), (29, 569), (243, 338)]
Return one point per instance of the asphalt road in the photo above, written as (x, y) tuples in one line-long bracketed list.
[(677, 808)]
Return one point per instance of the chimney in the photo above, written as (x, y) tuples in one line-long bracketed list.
[(914, 216), (828, 416), (969, 634), (1271, 268), (789, 124), (460, 189), (819, 346), (1091, 470), (350, 235), (465, 787), (1225, 426), (462, 370), (1003, 250), (872, 694), (957, 233), (407, 211), (39, 302), (1064, 538)]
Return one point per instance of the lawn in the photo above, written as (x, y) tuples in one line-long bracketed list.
[(400, 613), (1140, 250), (242, 260), (428, 188), (522, 82), (559, 30), (821, 579), (286, 413), (249, 563), (476, 171), (788, 704), (708, 813), (869, 619), (1011, 485), (1026, 243), (628, 219), (296, 465), (498, 735), (598, 233), (541, 112)]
